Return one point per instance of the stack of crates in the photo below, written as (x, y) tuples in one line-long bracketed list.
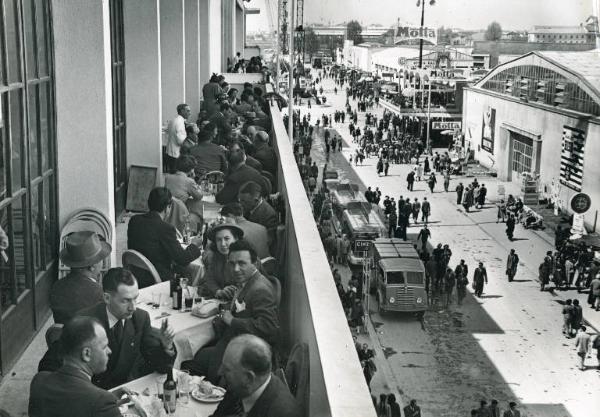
[(529, 188)]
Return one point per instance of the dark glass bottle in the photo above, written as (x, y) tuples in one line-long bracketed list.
[(170, 392), (176, 293)]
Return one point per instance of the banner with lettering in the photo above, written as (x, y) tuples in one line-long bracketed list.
[(571, 157)]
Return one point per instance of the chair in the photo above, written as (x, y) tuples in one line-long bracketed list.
[(133, 258), (53, 334), (297, 374)]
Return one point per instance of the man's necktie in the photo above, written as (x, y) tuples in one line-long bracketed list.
[(118, 332)]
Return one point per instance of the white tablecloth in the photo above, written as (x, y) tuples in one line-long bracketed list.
[(192, 409), (191, 333)]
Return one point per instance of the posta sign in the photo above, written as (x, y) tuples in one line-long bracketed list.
[(406, 32)]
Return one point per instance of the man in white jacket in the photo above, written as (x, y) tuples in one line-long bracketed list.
[(176, 135)]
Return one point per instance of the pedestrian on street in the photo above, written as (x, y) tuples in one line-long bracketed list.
[(460, 188), (446, 181), (510, 227), (392, 223), (432, 181), (416, 208), (450, 282), (567, 313), (426, 167), (394, 406), (494, 409), (469, 199), (479, 279), (501, 211), (512, 410), (596, 345), (595, 292), (582, 344), (383, 408), (412, 409), (425, 210), (460, 273), (424, 234), (483, 410), (481, 196), (410, 180), (386, 167), (379, 167), (419, 172), (511, 265), (576, 316)]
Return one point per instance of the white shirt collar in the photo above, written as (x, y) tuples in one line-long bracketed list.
[(250, 400), (112, 320)]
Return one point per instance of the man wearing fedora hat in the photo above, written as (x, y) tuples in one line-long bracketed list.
[(83, 253)]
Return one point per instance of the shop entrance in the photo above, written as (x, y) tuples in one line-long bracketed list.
[(522, 155)]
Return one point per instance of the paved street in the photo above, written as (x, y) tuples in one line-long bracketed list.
[(507, 345)]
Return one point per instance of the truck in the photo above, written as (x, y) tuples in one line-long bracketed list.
[(361, 222), (342, 194), (397, 276)]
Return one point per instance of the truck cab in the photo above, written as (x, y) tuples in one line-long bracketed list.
[(400, 284)]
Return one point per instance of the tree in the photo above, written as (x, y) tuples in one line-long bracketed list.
[(493, 32), (353, 32), (444, 36), (387, 37), (311, 42)]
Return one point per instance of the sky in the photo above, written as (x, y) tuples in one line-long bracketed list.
[(464, 14)]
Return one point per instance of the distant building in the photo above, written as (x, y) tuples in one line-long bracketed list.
[(540, 114), (488, 54), (332, 37), (562, 34)]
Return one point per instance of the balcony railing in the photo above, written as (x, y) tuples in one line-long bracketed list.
[(311, 309)]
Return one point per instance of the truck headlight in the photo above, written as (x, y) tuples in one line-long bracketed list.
[(392, 300), (419, 300)]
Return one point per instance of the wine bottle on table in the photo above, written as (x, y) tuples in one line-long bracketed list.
[(170, 392), (175, 289)]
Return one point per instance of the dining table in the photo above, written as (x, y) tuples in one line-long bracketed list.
[(191, 332), (148, 385)]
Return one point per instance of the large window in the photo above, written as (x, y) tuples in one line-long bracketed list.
[(117, 43), (522, 153), (27, 163), (542, 85)]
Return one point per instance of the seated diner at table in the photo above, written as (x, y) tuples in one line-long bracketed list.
[(69, 391), (83, 252), (157, 240), (254, 233), (253, 310), (137, 348), (208, 155), (251, 386), (239, 173), (218, 278), (182, 184)]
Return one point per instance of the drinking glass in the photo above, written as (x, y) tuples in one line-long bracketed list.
[(184, 386), (159, 386), (189, 298), (156, 299)]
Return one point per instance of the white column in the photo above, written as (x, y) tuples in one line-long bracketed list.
[(227, 33), (82, 58), (214, 37), (143, 100), (240, 31), (172, 52), (205, 43), (192, 56)]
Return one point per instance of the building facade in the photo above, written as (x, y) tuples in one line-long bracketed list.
[(85, 88), (562, 34), (540, 114)]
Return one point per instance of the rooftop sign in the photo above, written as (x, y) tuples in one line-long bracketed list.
[(404, 33)]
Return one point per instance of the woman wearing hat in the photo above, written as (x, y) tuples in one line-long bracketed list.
[(218, 278), (81, 288)]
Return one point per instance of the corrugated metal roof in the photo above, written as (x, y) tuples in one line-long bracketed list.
[(585, 64)]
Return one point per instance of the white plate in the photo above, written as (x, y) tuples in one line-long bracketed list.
[(218, 394)]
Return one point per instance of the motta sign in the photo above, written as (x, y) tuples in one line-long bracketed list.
[(407, 32), (446, 125)]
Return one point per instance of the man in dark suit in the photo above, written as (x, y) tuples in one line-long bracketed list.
[(156, 239), (253, 310), (137, 348), (412, 409), (264, 153), (512, 410), (69, 391), (239, 173), (83, 253), (257, 210), (251, 387)]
